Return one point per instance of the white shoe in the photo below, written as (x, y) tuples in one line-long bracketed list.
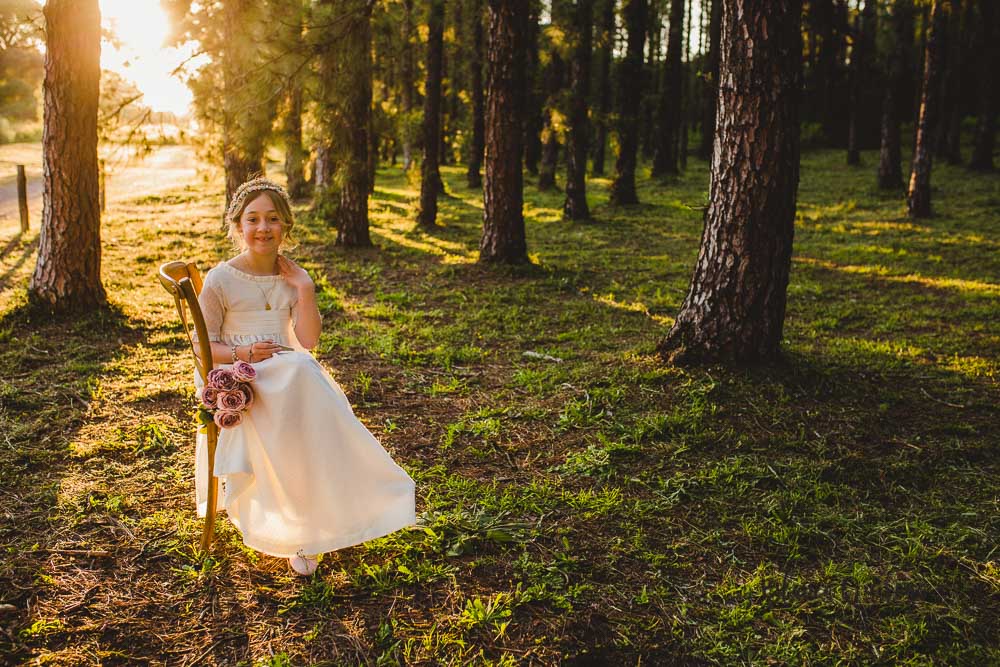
[(302, 564)]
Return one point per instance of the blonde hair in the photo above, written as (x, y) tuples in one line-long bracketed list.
[(247, 193)]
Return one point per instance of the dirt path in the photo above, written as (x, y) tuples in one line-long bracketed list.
[(166, 168)]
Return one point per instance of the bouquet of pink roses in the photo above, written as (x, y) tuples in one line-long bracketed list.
[(226, 395)]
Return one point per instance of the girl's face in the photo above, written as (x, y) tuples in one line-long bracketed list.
[(261, 226)]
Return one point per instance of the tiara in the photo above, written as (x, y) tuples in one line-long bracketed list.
[(253, 185)]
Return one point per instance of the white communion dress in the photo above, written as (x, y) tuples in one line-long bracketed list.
[(301, 473)]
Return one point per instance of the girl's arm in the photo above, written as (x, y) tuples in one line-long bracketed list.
[(308, 324), (223, 354)]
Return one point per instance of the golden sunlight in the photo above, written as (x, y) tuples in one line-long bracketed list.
[(141, 26)]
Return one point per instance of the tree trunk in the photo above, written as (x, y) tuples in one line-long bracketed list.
[(606, 43), (477, 146), (503, 237), (890, 172), (430, 177), (67, 274), (409, 76), (575, 205), (533, 100), (982, 151), (357, 103), (918, 198), (246, 120), (651, 83), (295, 154), (669, 111), (950, 86), (864, 42), (735, 308), (711, 82), (629, 96), (550, 136)]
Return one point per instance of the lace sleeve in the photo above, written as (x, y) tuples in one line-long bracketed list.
[(212, 309)]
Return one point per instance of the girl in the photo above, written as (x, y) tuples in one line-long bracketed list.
[(300, 474)]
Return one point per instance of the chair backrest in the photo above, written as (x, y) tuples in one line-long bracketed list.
[(183, 281)]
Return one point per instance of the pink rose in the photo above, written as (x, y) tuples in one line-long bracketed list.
[(243, 371), (209, 397), (220, 378), (227, 419), (247, 394), (233, 401)]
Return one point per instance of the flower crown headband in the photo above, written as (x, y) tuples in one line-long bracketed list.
[(253, 185)]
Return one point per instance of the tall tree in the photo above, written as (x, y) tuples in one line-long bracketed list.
[(430, 176), (605, 48), (67, 275), (735, 307), (554, 82), (918, 197), (355, 178), (711, 81), (862, 51), (946, 145), (890, 172), (989, 66), (629, 95), (534, 98), (575, 205), (407, 84), (293, 69), (478, 143), (669, 109), (248, 108), (503, 238)]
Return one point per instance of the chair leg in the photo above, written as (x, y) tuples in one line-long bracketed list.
[(208, 531)]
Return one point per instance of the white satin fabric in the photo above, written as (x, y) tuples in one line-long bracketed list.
[(301, 472)]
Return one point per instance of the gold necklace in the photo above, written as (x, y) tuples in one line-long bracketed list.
[(267, 295)]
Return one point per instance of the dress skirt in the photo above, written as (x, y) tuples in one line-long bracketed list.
[(301, 472)]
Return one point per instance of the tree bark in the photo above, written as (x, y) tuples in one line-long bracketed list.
[(918, 198), (503, 238), (890, 171), (575, 205), (533, 100), (982, 151), (409, 76), (629, 96), (554, 75), (735, 307), (295, 154), (430, 176), (352, 228), (669, 111), (711, 82), (478, 143), (606, 44), (951, 84), (67, 274), (864, 43), (246, 120)]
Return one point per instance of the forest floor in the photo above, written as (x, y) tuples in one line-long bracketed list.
[(839, 507)]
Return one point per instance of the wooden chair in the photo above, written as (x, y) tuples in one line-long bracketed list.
[(183, 281)]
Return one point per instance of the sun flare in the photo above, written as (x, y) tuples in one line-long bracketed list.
[(142, 26)]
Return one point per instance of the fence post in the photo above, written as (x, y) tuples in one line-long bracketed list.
[(22, 197)]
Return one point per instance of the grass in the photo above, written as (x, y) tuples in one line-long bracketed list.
[(579, 502)]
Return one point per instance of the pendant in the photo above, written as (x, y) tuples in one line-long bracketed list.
[(267, 306)]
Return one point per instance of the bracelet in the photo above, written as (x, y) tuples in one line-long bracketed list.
[(250, 357), (235, 358)]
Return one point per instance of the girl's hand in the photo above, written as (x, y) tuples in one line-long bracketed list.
[(294, 274), (264, 349)]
